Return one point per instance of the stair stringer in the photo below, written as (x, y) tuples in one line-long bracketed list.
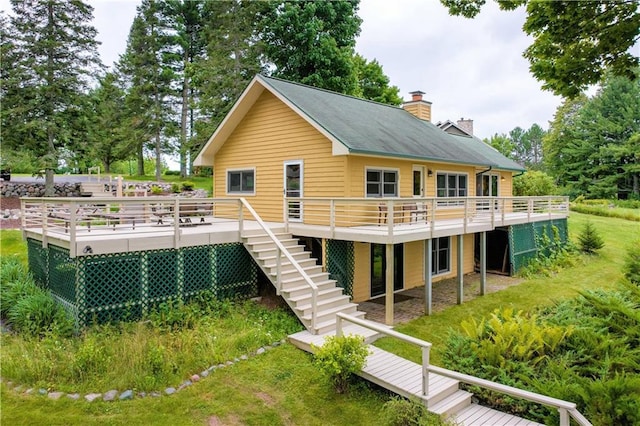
[(294, 289)]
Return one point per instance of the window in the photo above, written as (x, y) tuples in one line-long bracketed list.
[(451, 185), (440, 255), (381, 183), (240, 181)]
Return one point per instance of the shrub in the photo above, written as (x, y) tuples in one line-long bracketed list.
[(175, 187), (172, 172), (632, 263), (38, 314), (340, 357), (589, 241), (156, 190), (187, 185), (399, 411)]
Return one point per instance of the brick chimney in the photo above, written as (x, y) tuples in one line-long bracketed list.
[(417, 106), (466, 124)]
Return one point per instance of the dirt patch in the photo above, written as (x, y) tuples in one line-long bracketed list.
[(266, 398), (9, 203)]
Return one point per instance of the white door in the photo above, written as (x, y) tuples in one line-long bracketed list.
[(293, 182)]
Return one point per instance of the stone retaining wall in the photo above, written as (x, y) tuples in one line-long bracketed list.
[(32, 189)]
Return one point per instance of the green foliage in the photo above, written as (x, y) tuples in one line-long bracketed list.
[(173, 342), (632, 263), (156, 190), (400, 411), (593, 143), (534, 183), (175, 187), (187, 185), (172, 173), (574, 43), (48, 62), (373, 84), (340, 357), (552, 255), (522, 146), (606, 211), (508, 335), (589, 240)]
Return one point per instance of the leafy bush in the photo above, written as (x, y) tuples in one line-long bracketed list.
[(400, 411), (632, 263), (340, 357), (551, 256), (187, 185), (156, 190), (172, 172), (534, 183), (589, 241), (590, 356), (175, 187)]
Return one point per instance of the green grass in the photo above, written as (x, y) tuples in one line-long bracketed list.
[(591, 272), (11, 244), (281, 387), (606, 211)]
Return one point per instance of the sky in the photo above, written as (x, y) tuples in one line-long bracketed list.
[(471, 68)]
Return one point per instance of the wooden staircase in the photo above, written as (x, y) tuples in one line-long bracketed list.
[(293, 286)]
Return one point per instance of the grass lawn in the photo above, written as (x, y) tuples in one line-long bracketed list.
[(283, 387), (11, 244)]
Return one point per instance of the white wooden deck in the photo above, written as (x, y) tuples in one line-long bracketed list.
[(404, 378)]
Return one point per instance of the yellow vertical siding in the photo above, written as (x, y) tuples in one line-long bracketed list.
[(362, 275), (267, 137)]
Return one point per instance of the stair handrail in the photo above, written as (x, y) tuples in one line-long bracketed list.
[(565, 408), (424, 345), (283, 250)]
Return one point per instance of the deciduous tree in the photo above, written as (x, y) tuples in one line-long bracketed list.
[(574, 42)]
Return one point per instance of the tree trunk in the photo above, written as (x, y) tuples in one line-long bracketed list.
[(183, 117), (158, 157), (140, 160)]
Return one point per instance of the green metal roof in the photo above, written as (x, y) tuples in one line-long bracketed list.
[(371, 128)]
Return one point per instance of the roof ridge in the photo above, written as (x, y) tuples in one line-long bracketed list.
[(331, 92)]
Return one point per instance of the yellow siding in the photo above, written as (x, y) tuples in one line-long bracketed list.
[(362, 273), (413, 264), (506, 185), (267, 137)]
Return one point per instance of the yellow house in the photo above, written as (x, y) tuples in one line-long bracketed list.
[(383, 198)]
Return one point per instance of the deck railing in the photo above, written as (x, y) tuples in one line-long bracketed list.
[(73, 217), (565, 409), (387, 213)]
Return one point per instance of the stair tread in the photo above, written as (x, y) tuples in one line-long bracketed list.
[(334, 310), (296, 299), (320, 303), (287, 263), (312, 276), (322, 324), (450, 401)]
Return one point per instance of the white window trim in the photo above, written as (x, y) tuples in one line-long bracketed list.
[(384, 169), (240, 169), (441, 205)]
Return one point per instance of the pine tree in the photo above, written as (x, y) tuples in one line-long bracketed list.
[(589, 240), (148, 67), (49, 58)]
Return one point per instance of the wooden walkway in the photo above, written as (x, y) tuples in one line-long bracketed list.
[(404, 378)]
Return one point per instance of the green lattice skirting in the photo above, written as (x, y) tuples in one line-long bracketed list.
[(122, 286), (524, 240), (340, 263)]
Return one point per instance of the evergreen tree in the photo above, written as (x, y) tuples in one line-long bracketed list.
[(49, 58), (107, 125), (589, 240), (148, 67)]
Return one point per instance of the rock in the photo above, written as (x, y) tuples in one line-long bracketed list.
[(204, 373), (30, 391), (229, 363), (170, 391), (92, 396), (142, 394), (55, 395), (128, 394), (260, 351), (184, 384), (156, 394), (244, 357), (110, 396), (18, 389), (195, 378), (42, 391), (73, 396)]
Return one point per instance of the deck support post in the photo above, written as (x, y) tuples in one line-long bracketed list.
[(460, 239), (483, 263), (428, 284), (388, 311)]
